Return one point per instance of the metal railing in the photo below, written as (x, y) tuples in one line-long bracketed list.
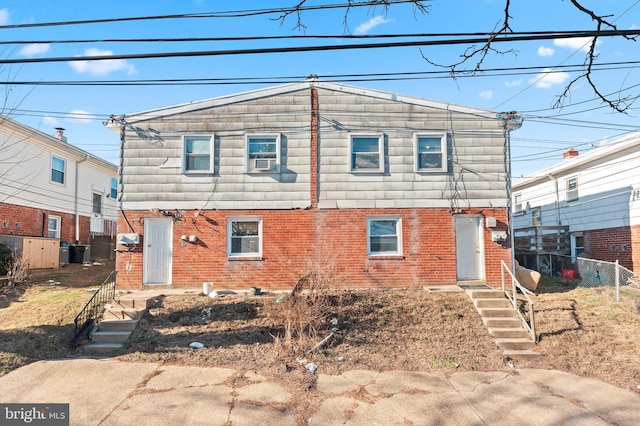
[(530, 322), (87, 317)]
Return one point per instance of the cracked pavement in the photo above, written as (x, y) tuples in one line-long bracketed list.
[(110, 392)]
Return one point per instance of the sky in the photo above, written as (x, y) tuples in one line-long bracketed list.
[(545, 67)]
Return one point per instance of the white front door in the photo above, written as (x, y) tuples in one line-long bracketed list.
[(469, 253), (157, 250)]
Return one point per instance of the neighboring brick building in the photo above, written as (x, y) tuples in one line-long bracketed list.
[(593, 197), (259, 188), (53, 190)]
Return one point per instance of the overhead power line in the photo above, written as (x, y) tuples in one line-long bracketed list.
[(227, 14), (290, 49), (409, 75)]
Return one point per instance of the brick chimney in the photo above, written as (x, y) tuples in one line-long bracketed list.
[(570, 153)]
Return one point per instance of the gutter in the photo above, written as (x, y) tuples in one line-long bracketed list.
[(75, 197)]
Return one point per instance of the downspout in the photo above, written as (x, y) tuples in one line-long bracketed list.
[(511, 121), (75, 196), (555, 182)]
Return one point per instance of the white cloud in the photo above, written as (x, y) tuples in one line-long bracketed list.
[(35, 49), (50, 121), (545, 51), (101, 67), (4, 16), (548, 78), (579, 43), (486, 94), (80, 116), (513, 83), (370, 24)]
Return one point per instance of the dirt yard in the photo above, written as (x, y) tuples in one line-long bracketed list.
[(582, 331)]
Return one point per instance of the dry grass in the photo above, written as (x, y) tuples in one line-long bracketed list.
[(582, 331)]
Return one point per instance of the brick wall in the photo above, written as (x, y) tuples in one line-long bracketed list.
[(613, 244), (295, 239), (31, 222)]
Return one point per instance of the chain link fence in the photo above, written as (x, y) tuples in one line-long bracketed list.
[(590, 273)]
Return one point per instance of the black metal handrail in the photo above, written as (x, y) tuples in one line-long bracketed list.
[(87, 317)]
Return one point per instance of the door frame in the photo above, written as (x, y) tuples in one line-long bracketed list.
[(480, 252), (148, 222)]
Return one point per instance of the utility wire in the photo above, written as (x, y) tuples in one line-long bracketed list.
[(290, 49), (227, 14)]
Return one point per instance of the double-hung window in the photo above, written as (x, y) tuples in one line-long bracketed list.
[(263, 153), (244, 237), (367, 153), (431, 152), (384, 236), (53, 228), (58, 170), (97, 203), (571, 185), (197, 154)]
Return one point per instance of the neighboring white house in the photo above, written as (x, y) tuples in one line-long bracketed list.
[(594, 197), (53, 190)]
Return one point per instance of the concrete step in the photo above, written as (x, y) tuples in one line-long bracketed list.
[(136, 302), (492, 303), (511, 344), (486, 294), (509, 333), (122, 313), (102, 347), (501, 322), (118, 325), (496, 312), (101, 336), (526, 354)]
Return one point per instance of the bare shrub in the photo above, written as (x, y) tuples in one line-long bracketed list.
[(305, 310), (17, 268)]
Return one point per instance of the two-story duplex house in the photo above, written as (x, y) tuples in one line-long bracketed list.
[(592, 198), (260, 188), (55, 194)]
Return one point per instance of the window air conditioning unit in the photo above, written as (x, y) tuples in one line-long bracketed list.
[(130, 238), (263, 164)]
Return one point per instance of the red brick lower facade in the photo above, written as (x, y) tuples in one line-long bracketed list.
[(297, 241), (32, 222), (611, 244)]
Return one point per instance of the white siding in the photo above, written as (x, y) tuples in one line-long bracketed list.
[(608, 188), (25, 179)]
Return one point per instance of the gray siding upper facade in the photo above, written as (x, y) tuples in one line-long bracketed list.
[(152, 165)]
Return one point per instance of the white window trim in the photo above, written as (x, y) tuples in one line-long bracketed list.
[(443, 151), (101, 195), (64, 172), (516, 209), (58, 220), (398, 220), (184, 153), (567, 191), (230, 220), (275, 168), (380, 168)]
